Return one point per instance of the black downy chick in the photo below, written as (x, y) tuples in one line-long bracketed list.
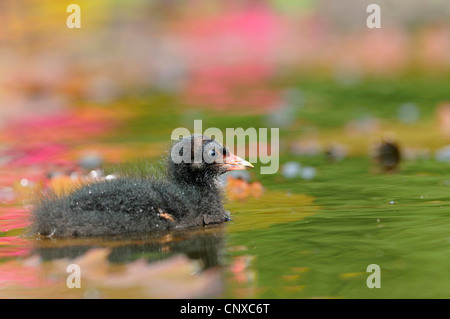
[(388, 155), (190, 195)]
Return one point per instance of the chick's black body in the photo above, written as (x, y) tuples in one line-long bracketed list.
[(189, 196)]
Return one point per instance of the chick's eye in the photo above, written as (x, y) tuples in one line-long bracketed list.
[(213, 153)]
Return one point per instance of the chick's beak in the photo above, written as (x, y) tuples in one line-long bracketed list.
[(233, 163)]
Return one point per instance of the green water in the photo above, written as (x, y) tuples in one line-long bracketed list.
[(400, 222), (307, 239)]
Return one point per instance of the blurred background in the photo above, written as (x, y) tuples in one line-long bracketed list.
[(298, 65), (76, 100)]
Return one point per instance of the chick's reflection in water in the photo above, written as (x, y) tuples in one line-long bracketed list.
[(204, 244)]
